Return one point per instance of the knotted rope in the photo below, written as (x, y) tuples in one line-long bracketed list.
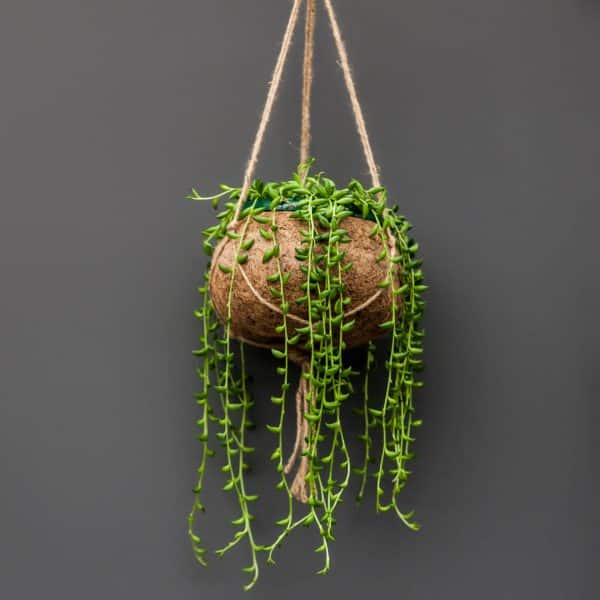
[(298, 487)]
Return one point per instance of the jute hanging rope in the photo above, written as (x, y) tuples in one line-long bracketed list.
[(270, 102), (307, 80), (361, 125), (308, 269)]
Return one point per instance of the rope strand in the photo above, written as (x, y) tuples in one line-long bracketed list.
[(307, 80), (300, 394), (361, 125), (268, 109)]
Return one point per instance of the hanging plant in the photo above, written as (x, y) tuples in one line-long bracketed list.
[(308, 270)]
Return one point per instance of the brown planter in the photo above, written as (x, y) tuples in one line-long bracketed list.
[(255, 313)]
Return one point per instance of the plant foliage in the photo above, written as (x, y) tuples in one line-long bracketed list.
[(388, 422)]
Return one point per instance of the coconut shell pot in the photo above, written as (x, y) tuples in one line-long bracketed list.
[(256, 314)]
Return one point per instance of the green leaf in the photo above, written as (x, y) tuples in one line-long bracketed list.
[(348, 326), (310, 519), (269, 254), (224, 268), (277, 353)]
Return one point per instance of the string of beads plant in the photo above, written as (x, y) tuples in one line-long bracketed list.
[(309, 270)]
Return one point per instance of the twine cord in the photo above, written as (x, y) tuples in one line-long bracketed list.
[(298, 488), (359, 118), (307, 80), (268, 109)]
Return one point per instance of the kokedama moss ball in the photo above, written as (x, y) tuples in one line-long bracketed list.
[(256, 311)]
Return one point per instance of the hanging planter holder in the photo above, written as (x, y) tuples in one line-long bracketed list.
[(308, 270)]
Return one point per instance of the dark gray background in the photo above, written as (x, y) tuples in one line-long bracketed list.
[(485, 116)]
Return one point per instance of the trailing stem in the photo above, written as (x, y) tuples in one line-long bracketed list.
[(326, 382)]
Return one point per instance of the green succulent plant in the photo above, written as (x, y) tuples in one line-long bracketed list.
[(224, 399)]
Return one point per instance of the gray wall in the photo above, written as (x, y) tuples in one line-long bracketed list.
[(485, 116)]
